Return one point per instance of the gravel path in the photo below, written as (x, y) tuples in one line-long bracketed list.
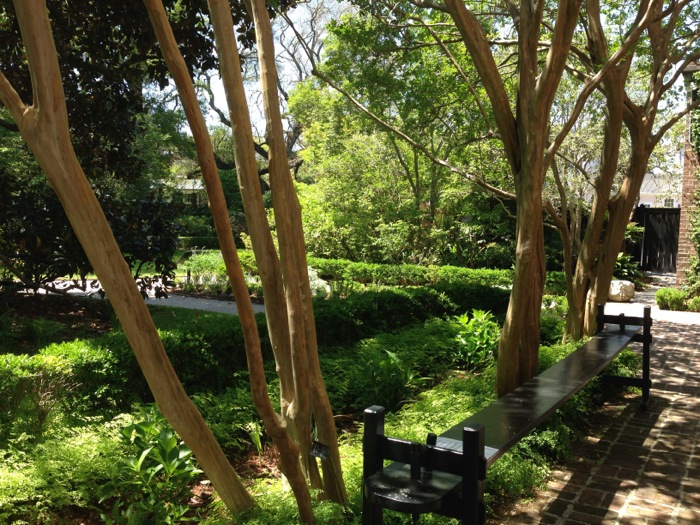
[(181, 300), (224, 306), (647, 297)]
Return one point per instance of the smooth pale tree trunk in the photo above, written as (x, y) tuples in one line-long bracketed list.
[(284, 279), (524, 138), (578, 286), (274, 425), (610, 215), (263, 246), (619, 212), (44, 126), (583, 303), (290, 235)]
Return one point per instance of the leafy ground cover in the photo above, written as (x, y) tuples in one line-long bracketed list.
[(78, 441)]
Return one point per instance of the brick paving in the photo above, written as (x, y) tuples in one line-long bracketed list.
[(637, 467)]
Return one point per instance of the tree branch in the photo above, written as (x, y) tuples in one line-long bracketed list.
[(429, 4), (596, 80), (456, 65), (673, 120), (11, 100), (479, 49)]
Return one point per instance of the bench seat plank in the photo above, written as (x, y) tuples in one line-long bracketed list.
[(510, 418)]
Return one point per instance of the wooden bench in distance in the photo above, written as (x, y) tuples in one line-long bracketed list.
[(445, 475)]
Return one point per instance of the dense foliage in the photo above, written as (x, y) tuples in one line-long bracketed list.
[(417, 211), (385, 345), (37, 243)]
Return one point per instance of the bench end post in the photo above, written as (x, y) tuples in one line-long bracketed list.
[(372, 460), (646, 357), (600, 318), (473, 446)]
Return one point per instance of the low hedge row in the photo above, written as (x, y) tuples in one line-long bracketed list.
[(366, 313), (410, 274), (343, 271), (206, 353)]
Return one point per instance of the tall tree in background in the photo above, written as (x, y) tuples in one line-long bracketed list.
[(659, 38), (521, 119), (639, 90)]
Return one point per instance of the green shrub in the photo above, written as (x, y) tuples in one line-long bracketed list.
[(369, 312), (206, 350), (101, 370), (555, 284), (449, 275), (333, 270), (32, 391), (551, 328), (329, 269), (195, 226), (477, 341), (474, 296), (382, 377), (671, 299), (204, 271), (390, 367), (230, 415), (628, 269), (44, 331), (692, 275), (8, 334), (151, 484), (41, 480), (555, 304), (694, 304)]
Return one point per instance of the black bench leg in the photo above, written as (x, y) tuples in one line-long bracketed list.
[(646, 358), (371, 461), (473, 475), (371, 513)]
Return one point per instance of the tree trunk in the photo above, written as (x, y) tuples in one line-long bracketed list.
[(524, 143), (273, 425), (44, 126), (312, 398), (518, 350), (283, 431), (619, 211), (583, 299)]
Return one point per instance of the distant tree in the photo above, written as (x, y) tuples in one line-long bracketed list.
[(520, 53), (37, 244), (520, 95)]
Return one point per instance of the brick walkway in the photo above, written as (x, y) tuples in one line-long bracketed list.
[(638, 468)]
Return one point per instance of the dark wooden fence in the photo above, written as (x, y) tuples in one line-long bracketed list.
[(658, 249)]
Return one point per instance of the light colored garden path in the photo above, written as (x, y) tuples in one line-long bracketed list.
[(224, 306), (181, 300)]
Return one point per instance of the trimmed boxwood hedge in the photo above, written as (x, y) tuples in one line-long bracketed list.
[(411, 274)]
